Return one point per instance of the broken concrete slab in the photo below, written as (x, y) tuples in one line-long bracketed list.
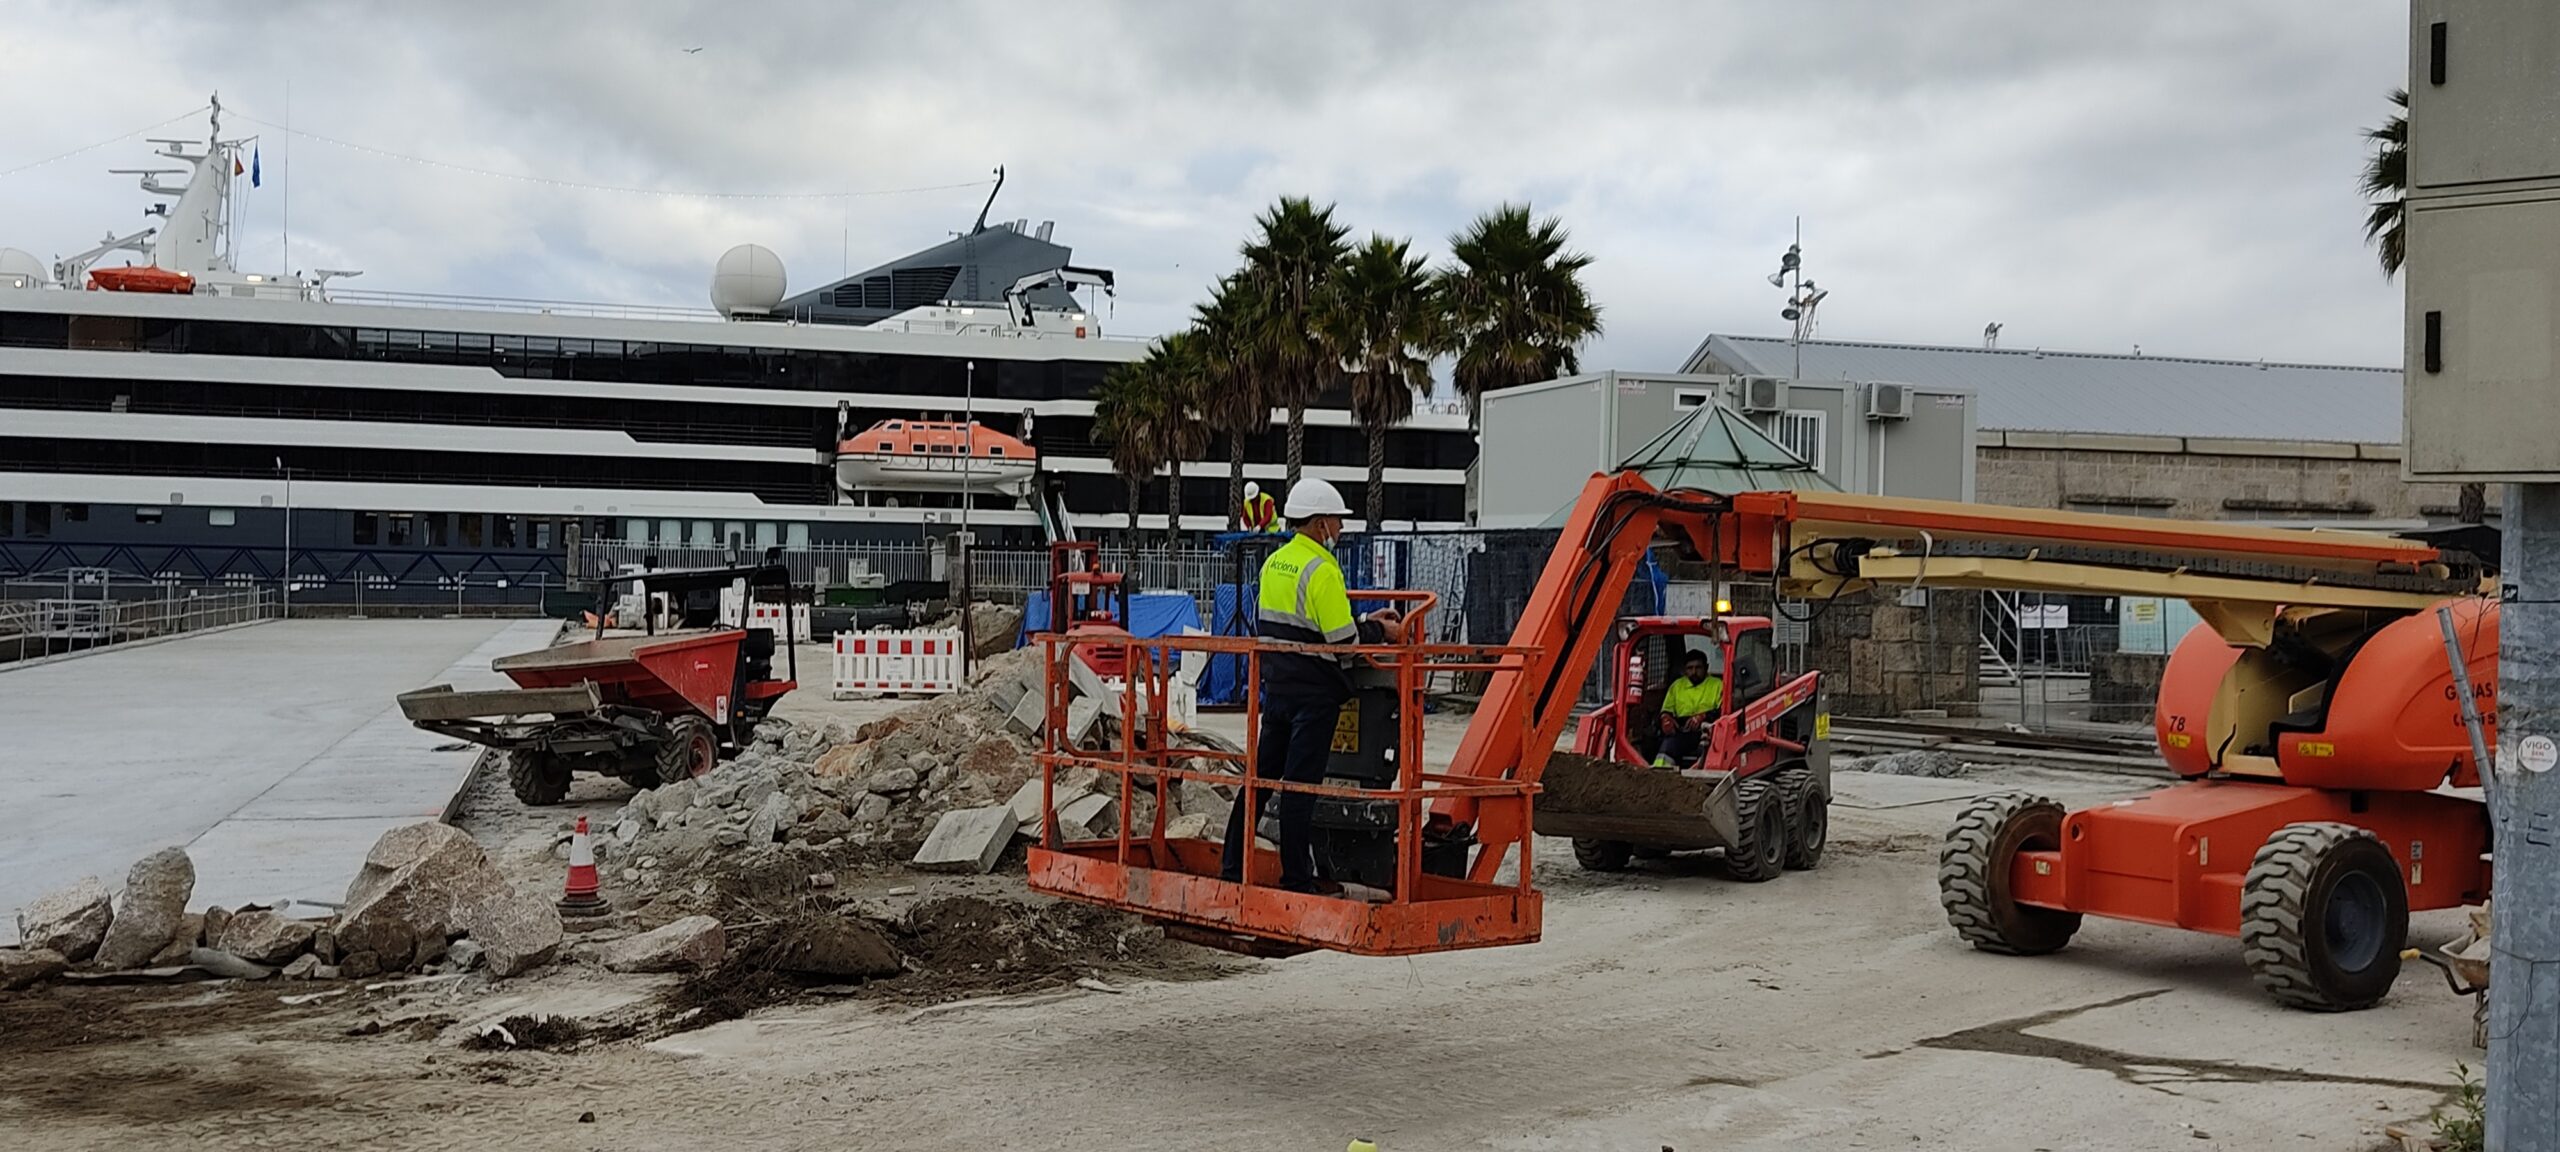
[(1028, 713), (695, 943), (228, 966), (263, 937), (517, 933), (305, 968), (967, 840), (1090, 815), (20, 967), (774, 813), (1083, 716), (71, 921), (1196, 826), (153, 905)]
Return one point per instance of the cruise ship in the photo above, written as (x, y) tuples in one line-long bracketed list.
[(160, 418)]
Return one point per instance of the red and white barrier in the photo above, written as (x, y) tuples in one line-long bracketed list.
[(923, 661), (762, 614)]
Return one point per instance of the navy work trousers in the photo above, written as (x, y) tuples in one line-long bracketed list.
[(1296, 740)]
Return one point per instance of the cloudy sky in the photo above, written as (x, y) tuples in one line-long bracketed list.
[(2092, 175)]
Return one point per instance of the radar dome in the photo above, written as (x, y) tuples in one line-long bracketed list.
[(748, 279), (19, 269)]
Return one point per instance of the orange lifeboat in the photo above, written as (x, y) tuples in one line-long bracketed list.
[(142, 278), (932, 456)]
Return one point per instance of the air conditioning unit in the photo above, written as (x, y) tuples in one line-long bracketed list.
[(1764, 393), (1888, 401)]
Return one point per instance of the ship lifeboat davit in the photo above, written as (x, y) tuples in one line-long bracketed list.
[(932, 456), (142, 278)]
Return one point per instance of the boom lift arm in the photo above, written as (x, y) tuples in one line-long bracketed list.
[(2247, 582)]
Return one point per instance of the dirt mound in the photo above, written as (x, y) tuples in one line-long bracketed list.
[(545, 1033)]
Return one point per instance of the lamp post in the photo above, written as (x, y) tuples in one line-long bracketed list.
[(1803, 298), (287, 571), (968, 542)]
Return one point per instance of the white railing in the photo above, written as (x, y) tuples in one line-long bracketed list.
[(39, 628)]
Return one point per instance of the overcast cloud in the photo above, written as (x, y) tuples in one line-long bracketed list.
[(2093, 175)]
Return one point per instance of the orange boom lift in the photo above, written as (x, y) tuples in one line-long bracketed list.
[(2313, 721)]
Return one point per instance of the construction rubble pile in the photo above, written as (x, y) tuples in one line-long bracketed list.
[(427, 899), (956, 773)]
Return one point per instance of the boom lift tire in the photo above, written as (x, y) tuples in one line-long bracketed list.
[(2323, 916), (1759, 850), (689, 751), (1602, 855), (538, 778), (1808, 817), (1973, 875)]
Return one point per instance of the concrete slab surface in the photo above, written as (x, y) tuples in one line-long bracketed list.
[(274, 753)]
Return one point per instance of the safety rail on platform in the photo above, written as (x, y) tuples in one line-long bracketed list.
[(39, 628), (1176, 880)]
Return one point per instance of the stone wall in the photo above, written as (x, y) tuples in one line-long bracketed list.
[(1880, 658), (2193, 478), (2124, 686)]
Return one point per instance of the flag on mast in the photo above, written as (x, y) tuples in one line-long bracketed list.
[(253, 165)]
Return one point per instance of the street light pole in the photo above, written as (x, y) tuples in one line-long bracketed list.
[(968, 542)]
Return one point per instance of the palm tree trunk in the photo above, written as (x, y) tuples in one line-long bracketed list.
[(2471, 504), (1377, 494), (1475, 410), (1137, 494), (1297, 441), (1173, 507), (1235, 481)]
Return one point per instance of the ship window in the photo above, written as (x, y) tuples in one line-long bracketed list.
[(433, 522), (670, 531), (221, 517), (702, 536), (400, 529), (502, 531), (875, 292), (76, 513), (476, 343), (795, 536), (733, 534), (538, 534), (896, 426), (39, 521), (768, 535), (8, 518), (146, 515), (472, 529), (995, 449), (635, 531), (888, 446), (508, 344), (368, 528)]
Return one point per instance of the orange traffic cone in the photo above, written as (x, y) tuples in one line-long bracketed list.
[(581, 897)]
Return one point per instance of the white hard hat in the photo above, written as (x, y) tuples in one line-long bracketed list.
[(1252, 489), (1312, 498)]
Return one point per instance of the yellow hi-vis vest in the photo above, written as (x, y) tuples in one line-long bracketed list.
[(1303, 598), (1261, 513), (1684, 699)]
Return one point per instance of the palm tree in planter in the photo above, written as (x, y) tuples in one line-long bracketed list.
[(1379, 318)]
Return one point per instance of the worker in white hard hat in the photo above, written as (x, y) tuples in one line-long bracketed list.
[(1303, 598), (1261, 514)]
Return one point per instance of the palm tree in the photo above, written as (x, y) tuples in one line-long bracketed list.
[(1287, 266), (1124, 417), (2386, 179), (1378, 318), (1180, 380), (1232, 399), (1516, 305)]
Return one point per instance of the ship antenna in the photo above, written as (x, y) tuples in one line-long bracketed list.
[(981, 225)]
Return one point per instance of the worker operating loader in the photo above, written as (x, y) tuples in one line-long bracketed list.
[(1303, 598), (1689, 705)]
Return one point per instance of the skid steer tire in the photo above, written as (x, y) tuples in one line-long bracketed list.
[(1602, 855), (1973, 875), (1808, 817), (1759, 850), (690, 750), (538, 778), (2323, 916)]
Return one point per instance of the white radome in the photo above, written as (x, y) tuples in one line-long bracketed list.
[(747, 279), (21, 269)]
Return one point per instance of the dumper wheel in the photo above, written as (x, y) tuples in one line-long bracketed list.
[(1808, 817), (2323, 916), (689, 751), (1602, 855), (1759, 850), (539, 778), (1973, 875)]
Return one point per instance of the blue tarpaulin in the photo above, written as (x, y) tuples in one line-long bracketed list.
[(1223, 681), (1150, 614)]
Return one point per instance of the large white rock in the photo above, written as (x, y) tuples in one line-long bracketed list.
[(71, 921), (691, 944), (424, 884), (966, 840), (20, 967), (153, 905), (264, 937)]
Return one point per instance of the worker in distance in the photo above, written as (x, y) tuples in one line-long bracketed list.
[(1304, 599), (1690, 705)]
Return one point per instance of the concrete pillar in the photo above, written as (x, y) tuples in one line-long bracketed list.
[(2524, 988)]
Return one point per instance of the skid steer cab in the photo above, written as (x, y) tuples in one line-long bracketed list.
[(1751, 777)]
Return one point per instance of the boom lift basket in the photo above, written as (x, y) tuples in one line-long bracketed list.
[(1175, 881)]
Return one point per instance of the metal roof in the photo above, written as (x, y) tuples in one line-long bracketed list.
[(2043, 391), (1712, 449)]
